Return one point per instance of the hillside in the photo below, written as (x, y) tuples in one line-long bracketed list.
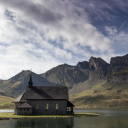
[(5, 101), (17, 84), (67, 75), (104, 94), (109, 91)]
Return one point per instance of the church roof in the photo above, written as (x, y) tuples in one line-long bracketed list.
[(69, 104), (24, 105), (20, 98), (46, 92)]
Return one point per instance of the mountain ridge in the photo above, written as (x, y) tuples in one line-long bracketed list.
[(17, 84), (94, 79)]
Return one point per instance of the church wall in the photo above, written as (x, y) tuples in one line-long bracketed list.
[(15, 107), (18, 111), (40, 107), (24, 111)]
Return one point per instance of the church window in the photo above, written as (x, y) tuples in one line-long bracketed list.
[(46, 106), (57, 106), (36, 106)]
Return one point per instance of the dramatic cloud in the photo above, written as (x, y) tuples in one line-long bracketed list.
[(41, 34)]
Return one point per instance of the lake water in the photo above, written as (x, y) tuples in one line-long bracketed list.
[(6, 111), (110, 118)]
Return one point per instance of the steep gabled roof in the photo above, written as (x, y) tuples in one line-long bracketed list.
[(24, 105), (20, 98), (46, 92)]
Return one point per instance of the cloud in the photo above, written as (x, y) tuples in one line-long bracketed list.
[(41, 34), (103, 10), (119, 39), (37, 12), (111, 30), (61, 22)]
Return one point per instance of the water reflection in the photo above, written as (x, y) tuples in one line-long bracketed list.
[(104, 112), (101, 122), (85, 122), (44, 123), (112, 118)]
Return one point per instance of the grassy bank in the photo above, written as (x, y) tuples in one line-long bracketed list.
[(11, 115)]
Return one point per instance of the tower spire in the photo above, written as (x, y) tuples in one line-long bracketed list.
[(30, 83)]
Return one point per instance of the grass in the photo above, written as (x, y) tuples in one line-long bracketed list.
[(85, 114), (122, 72), (5, 102), (6, 105), (103, 95), (16, 84), (11, 115)]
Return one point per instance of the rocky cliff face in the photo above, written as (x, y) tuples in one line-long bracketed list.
[(119, 77), (83, 65), (99, 66), (118, 63), (119, 69)]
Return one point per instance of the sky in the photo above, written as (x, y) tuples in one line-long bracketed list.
[(41, 34)]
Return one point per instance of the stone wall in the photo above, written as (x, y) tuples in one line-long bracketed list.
[(41, 105)]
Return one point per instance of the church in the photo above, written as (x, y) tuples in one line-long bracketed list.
[(43, 100)]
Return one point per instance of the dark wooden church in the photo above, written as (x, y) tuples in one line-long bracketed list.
[(43, 100)]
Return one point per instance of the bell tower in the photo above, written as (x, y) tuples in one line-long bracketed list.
[(30, 83)]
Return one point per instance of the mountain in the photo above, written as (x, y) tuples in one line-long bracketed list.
[(70, 76), (118, 63), (67, 75), (17, 84), (107, 85), (93, 83), (98, 72), (119, 69), (83, 65)]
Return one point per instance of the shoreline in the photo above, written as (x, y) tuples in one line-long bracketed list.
[(9, 116)]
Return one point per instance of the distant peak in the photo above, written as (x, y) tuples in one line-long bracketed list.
[(95, 63), (95, 57), (83, 65), (64, 65), (26, 71)]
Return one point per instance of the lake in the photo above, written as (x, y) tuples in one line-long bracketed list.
[(110, 118)]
